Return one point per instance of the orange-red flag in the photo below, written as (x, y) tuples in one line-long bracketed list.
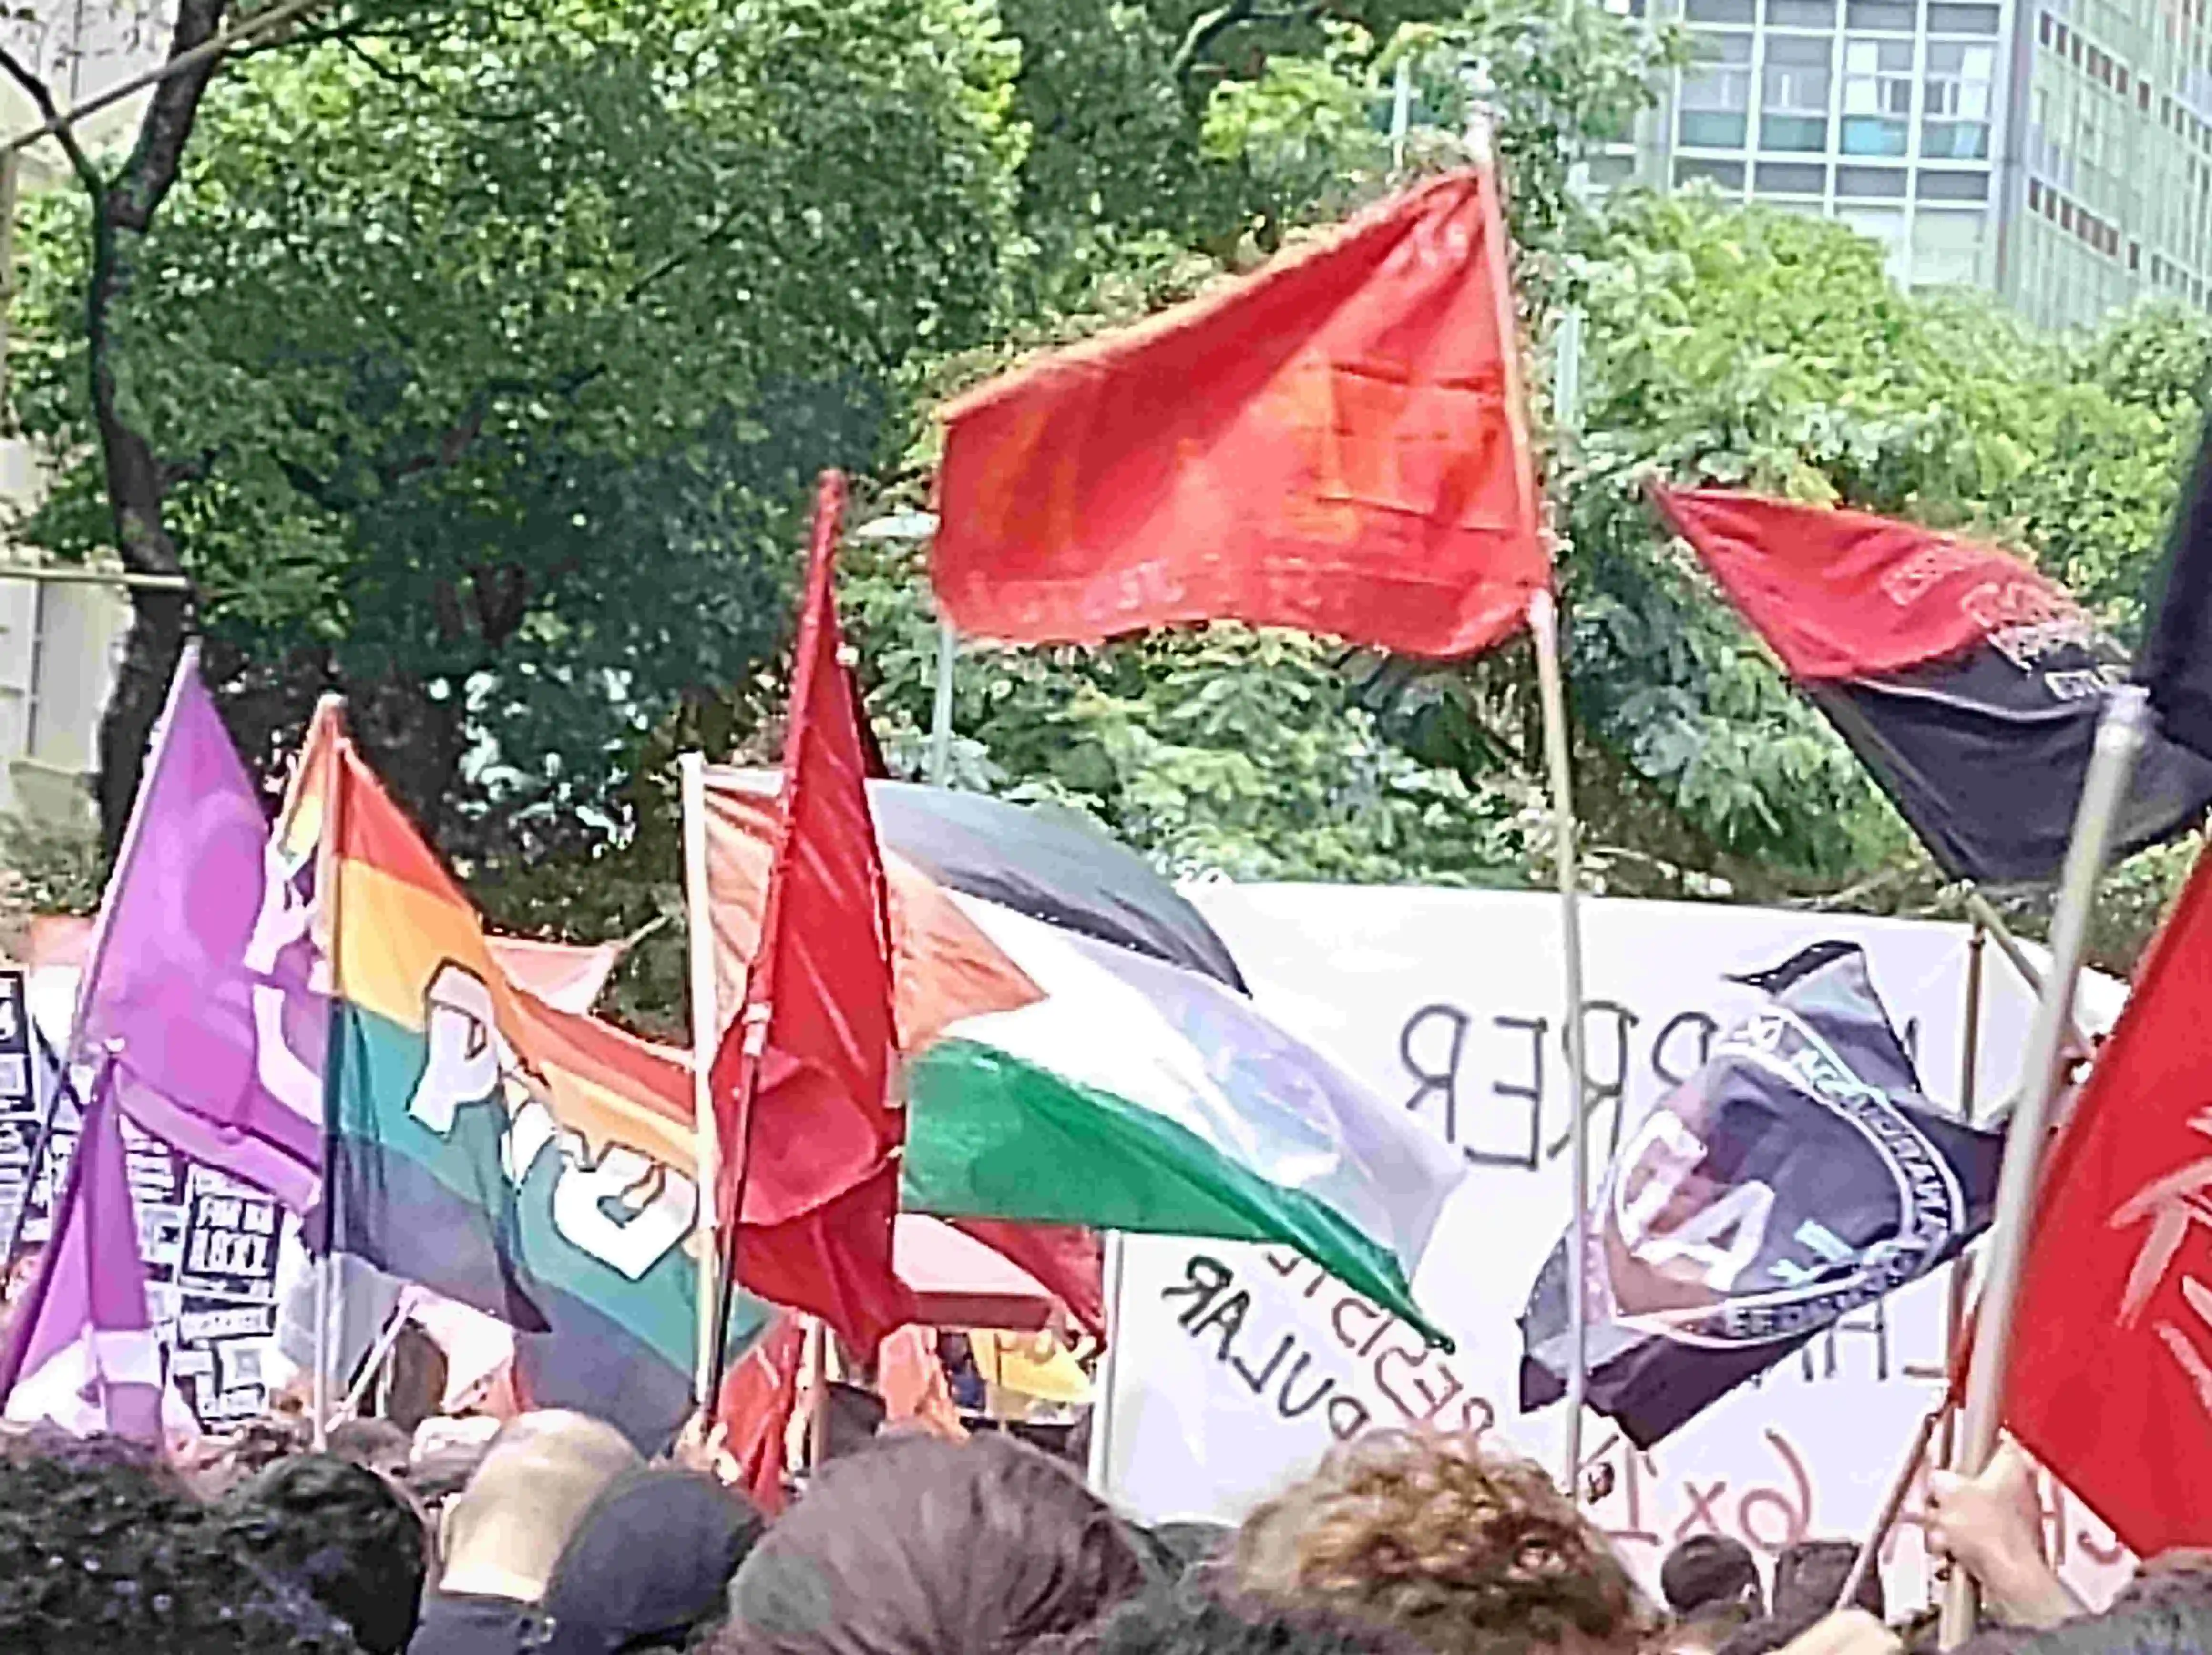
[(802, 1082), (1336, 444)]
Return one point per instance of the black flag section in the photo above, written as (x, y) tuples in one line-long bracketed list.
[(2177, 654), (1798, 1176)]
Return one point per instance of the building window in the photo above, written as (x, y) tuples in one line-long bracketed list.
[(1789, 178), (1729, 174), (1877, 97), (1954, 124), (1793, 111), (1716, 108), (2035, 195), (1801, 13), (2042, 28), (1947, 245), (1948, 185), (1896, 15), (1877, 182), (1961, 20)]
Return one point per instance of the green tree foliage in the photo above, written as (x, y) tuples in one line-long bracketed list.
[(486, 371), (488, 368)]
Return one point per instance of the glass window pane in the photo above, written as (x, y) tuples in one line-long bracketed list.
[(1867, 135)]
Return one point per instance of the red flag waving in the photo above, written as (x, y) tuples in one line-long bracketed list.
[(801, 1084), (2110, 1377), (1336, 444)]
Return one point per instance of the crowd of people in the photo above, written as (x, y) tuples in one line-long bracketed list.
[(557, 1537)]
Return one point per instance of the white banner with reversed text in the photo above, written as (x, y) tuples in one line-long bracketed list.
[(1235, 1366)]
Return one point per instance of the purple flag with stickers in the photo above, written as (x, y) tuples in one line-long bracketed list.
[(203, 978), (82, 1354)]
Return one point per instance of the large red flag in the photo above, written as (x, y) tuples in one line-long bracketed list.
[(802, 1082), (1336, 444), (2110, 1377)]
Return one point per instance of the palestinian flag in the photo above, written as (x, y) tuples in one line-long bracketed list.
[(1967, 682), (1098, 1065), (534, 1163)]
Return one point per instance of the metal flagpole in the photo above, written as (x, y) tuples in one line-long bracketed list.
[(329, 889), (706, 1032), (1962, 1267), (2120, 734), (941, 718), (1543, 622), (1864, 1564), (1101, 1463)]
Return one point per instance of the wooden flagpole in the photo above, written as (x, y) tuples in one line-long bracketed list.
[(2120, 734), (705, 1033), (1864, 1564), (1543, 623)]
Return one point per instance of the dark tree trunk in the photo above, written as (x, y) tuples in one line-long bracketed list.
[(122, 209)]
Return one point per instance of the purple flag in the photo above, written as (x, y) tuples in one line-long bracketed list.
[(82, 1352), (203, 977)]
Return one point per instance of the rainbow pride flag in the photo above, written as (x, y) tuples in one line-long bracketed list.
[(534, 1163)]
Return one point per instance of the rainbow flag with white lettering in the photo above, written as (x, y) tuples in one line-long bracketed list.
[(536, 1164)]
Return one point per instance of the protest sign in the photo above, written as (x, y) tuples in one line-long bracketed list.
[(19, 1095), (1235, 1366)]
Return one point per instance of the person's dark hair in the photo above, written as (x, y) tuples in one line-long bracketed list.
[(1187, 1618), (917, 1546), (108, 1557), (1711, 1568), (1170, 1551), (650, 1563), (341, 1534)]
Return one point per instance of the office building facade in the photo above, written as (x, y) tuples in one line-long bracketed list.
[(2056, 152)]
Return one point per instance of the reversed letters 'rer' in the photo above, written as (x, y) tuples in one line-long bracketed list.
[(2170, 1205)]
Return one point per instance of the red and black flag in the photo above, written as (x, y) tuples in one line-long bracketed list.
[(1967, 682), (1798, 1176)]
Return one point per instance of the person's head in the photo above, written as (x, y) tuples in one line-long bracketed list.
[(1711, 1568), (1170, 1551), (343, 1536), (917, 1546), (505, 1531), (650, 1562), (107, 1556), (378, 1445), (1467, 1552), (1183, 1618), (1810, 1574)]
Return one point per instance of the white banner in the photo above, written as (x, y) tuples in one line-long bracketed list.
[(1235, 1366)]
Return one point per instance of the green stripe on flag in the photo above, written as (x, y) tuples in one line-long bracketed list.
[(990, 1136)]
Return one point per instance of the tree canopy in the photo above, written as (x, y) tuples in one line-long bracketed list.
[(486, 367)]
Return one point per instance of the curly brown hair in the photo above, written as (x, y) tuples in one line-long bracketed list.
[(1465, 1551)]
